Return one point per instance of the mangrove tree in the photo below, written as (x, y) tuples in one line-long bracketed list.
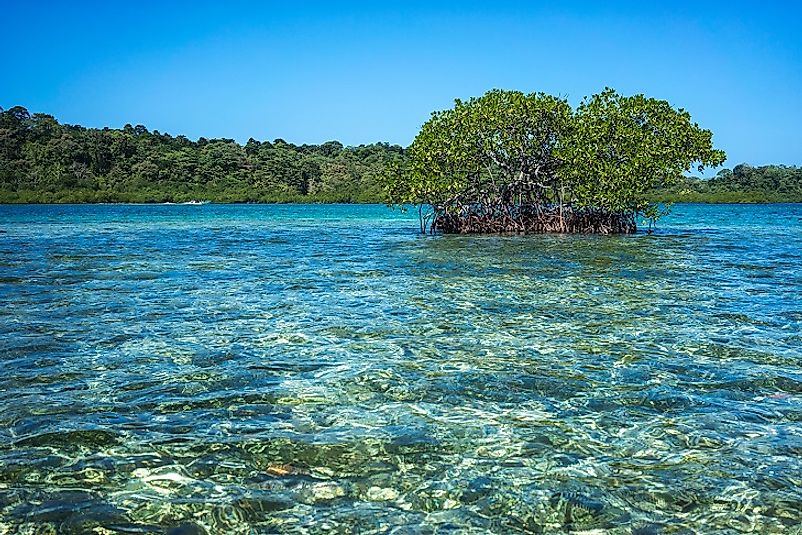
[(515, 162)]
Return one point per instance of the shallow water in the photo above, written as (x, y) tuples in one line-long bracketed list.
[(292, 369)]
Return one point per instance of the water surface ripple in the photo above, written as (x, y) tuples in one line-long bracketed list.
[(294, 369)]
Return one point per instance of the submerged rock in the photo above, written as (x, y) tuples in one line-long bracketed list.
[(478, 487), (577, 510), (187, 529), (381, 494), (322, 492)]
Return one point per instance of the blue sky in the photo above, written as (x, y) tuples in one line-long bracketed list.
[(362, 72)]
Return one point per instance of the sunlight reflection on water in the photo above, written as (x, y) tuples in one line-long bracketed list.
[(287, 369)]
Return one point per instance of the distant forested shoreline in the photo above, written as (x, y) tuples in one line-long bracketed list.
[(742, 184), (44, 161)]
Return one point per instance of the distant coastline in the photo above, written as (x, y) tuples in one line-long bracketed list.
[(360, 203), (72, 197), (45, 162)]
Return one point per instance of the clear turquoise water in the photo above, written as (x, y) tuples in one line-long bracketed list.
[(294, 369)]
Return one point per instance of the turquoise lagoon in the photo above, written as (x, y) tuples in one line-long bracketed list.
[(326, 369)]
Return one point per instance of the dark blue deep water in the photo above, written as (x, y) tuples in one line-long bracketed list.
[(326, 369)]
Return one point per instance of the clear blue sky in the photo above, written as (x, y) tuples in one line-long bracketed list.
[(373, 71)]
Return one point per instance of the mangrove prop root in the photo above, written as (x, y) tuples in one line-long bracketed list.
[(522, 220)]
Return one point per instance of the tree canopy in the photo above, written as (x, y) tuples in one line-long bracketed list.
[(498, 150), (508, 161), (42, 160), (742, 184)]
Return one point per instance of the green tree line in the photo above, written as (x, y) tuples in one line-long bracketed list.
[(742, 184), (42, 160)]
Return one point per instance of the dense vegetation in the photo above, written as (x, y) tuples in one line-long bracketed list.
[(742, 184), (42, 160), (512, 162)]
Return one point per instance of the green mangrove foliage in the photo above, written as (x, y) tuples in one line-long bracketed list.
[(512, 162)]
